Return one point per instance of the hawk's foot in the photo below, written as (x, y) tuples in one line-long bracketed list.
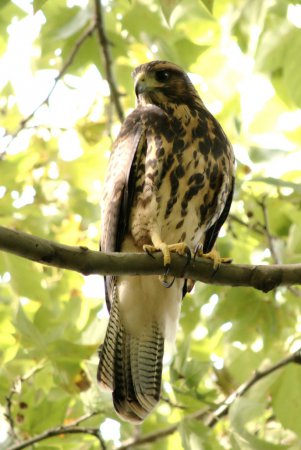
[(214, 256), (181, 248)]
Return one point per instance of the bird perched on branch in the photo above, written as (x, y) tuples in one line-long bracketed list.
[(168, 188)]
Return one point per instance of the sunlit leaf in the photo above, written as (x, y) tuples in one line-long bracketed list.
[(243, 411), (38, 4), (286, 404), (279, 183), (168, 6), (196, 436)]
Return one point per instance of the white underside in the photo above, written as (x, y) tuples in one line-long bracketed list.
[(144, 301)]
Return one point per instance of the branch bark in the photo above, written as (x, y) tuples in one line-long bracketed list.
[(87, 262), (105, 46), (72, 428)]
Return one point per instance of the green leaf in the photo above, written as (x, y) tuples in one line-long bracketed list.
[(27, 333), (152, 23), (196, 436), (291, 73), (188, 51), (278, 182), (294, 242), (25, 286), (243, 411), (273, 45), (38, 4), (258, 154), (209, 4), (168, 6), (74, 25), (47, 414), (286, 400)]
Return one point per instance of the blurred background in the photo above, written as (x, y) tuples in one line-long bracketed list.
[(65, 85)]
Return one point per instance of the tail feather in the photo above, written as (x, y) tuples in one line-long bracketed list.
[(131, 367), (105, 373), (148, 373)]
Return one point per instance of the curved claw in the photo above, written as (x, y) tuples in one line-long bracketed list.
[(197, 251), (188, 254), (146, 249), (164, 279), (167, 284)]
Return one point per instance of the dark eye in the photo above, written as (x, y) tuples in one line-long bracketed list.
[(162, 75)]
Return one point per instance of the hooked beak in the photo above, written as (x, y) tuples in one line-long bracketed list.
[(141, 84)]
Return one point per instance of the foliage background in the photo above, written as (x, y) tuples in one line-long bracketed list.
[(244, 58)]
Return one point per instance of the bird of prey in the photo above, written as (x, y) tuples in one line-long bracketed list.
[(169, 187)]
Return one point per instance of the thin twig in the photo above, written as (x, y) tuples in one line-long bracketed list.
[(271, 241), (223, 410), (105, 46), (157, 435), (257, 227), (87, 33), (72, 428), (171, 403), (266, 228)]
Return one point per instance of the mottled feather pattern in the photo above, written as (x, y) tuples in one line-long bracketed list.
[(170, 180)]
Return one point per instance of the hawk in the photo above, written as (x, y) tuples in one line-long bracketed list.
[(169, 187)]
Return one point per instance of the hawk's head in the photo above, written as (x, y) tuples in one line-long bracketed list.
[(162, 83)]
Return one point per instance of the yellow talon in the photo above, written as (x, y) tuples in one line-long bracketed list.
[(181, 248), (214, 256)]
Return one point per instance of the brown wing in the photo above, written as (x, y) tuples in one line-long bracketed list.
[(212, 233), (119, 188)]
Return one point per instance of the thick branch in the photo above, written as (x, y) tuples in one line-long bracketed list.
[(88, 262), (105, 46)]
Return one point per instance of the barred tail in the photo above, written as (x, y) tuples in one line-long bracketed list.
[(131, 367)]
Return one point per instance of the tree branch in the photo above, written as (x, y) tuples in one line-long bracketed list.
[(105, 46), (267, 232), (87, 262), (72, 428), (258, 375), (271, 242), (256, 227), (160, 434)]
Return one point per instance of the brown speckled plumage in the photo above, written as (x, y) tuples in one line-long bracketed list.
[(170, 179)]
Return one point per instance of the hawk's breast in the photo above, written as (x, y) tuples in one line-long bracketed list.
[(183, 179)]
